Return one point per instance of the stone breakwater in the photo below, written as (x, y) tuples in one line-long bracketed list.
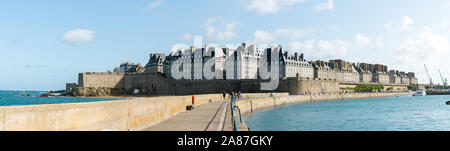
[(256, 104)]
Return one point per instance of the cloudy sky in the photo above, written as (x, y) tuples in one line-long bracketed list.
[(45, 44)]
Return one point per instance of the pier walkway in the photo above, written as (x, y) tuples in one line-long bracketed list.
[(214, 116)]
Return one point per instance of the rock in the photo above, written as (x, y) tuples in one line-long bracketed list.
[(448, 103), (47, 95), (190, 107)]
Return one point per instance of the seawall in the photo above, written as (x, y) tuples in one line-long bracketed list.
[(256, 104), (122, 115)]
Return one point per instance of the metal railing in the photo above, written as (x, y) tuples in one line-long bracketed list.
[(233, 107)]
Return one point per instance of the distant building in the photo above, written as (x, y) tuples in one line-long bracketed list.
[(156, 63), (70, 86), (291, 65), (322, 70), (215, 57), (365, 72), (243, 63), (412, 77), (194, 60), (404, 78), (128, 67), (380, 74), (345, 71), (394, 78), (247, 59)]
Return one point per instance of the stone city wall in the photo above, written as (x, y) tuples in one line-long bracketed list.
[(101, 79), (156, 84)]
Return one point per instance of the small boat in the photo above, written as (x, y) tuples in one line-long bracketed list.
[(420, 93)]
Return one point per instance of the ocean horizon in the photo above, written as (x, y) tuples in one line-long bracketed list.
[(15, 98)]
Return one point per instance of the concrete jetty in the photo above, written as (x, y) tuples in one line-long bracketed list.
[(205, 117), (214, 116)]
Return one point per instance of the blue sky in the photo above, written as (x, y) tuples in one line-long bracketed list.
[(44, 44)]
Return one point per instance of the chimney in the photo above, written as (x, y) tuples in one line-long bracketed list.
[(302, 57), (296, 56)]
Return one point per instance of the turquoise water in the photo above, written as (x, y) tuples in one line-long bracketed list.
[(12, 98), (428, 113)]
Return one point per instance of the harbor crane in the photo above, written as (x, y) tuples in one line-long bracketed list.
[(444, 80), (428, 74)]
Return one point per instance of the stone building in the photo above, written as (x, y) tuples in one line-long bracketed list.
[(242, 63), (322, 70), (380, 74), (291, 65), (400, 77), (365, 72), (404, 79), (129, 67), (194, 60), (183, 57), (394, 78), (70, 86), (247, 60), (156, 63), (412, 78), (214, 59), (345, 72)]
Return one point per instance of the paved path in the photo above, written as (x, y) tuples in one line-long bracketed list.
[(205, 117)]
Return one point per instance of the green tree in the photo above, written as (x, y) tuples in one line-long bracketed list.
[(413, 87)]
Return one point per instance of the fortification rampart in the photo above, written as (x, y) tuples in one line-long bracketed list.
[(156, 84), (101, 79)]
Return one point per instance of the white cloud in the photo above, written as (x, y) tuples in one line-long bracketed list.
[(334, 27), (444, 24), (321, 48), (186, 37), (329, 5), (362, 40), (154, 4), (219, 30), (79, 36), (270, 6), (447, 4), (425, 48), (292, 33), (261, 36), (424, 45), (229, 32), (405, 24), (327, 49)]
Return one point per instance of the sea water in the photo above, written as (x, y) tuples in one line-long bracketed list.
[(406, 113), (14, 98)]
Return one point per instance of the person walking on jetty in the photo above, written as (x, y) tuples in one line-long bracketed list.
[(224, 95), (231, 95)]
